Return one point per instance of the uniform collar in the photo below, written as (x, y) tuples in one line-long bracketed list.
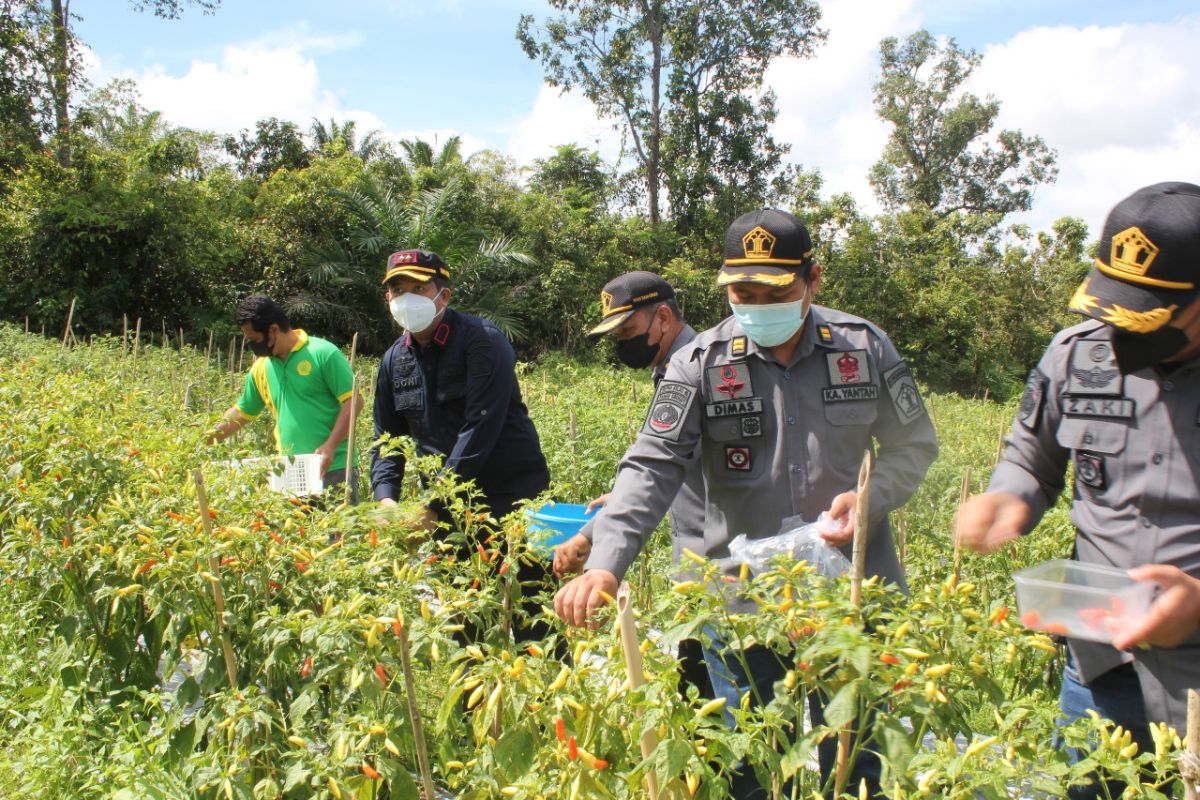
[(440, 336), (301, 339), (686, 334)]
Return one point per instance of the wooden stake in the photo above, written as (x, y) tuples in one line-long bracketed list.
[(208, 352), (1000, 445), (124, 335), (26, 324), (901, 537), (350, 455), (414, 716), (353, 349), (963, 493), (181, 340), (1191, 785), (166, 341), (241, 354), (215, 569), (859, 566), (67, 330), (137, 338)]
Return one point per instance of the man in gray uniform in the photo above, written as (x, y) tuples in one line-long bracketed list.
[(640, 312), (1119, 397), (777, 403)]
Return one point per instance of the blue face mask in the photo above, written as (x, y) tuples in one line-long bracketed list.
[(770, 324)]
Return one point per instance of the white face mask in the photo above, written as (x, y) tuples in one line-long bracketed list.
[(414, 312)]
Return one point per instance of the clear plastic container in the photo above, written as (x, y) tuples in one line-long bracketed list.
[(1083, 601)]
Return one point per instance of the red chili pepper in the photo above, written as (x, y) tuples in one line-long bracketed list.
[(150, 563), (475, 583), (382, 675), (560, 729), (572, 749), (600, 763), (482, 552), (278, 539), (369, 772), (302, 566), (212, 513), (396, 629), (898, 685), (503, 568), (431, 559), (307, 668), (999, 615), (803, 665), (274, 585), (66, 542), (227, 560), (888, 658), (133, 453), (374, 539), (174, 516)]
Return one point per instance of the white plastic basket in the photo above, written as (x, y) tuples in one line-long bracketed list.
[(301, 475)]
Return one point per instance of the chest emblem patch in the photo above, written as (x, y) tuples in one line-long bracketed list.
[(849, 368), (729, 381), (1093, 371), (304, 369)]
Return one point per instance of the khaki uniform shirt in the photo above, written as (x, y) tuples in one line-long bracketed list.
[(773, 440), (1134, 442)]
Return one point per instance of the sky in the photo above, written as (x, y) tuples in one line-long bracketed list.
[(1112, 86)]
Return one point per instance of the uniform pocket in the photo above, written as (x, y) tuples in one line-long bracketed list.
[(1094, 435)]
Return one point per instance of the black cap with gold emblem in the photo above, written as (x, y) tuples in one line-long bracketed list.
[(418, 264), (1148, 260), (767, 246), (624, 295)]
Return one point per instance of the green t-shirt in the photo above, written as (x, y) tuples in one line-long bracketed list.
[(305, 395)]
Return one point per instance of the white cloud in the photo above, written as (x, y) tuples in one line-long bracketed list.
[(1120, 104), (559, 118)]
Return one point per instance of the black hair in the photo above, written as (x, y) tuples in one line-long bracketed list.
[(440, 282), (261, 312), (671, 305)]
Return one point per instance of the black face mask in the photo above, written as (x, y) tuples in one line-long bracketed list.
[(636, 352), (260, 349), (1134, 351)]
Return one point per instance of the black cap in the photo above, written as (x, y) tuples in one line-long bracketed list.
[(418, 264), (767, 246), (1147, 261), (625, 294)]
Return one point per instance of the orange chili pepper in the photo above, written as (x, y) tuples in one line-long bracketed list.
[(999, 615), (572, 749), (888, 658), (1030, 619), (600, 763), (560, 729), (278, 539), (149, 563), (307, 668), (370, 772), (382, 675), (374, 539), (503, 568)]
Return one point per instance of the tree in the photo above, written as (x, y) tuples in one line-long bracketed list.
[(276, 144), (936, 156), (673, 73), (343, 137)]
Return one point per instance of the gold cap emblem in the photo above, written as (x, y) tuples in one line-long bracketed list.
[(1132, 252), (758, 243), (605, 303)]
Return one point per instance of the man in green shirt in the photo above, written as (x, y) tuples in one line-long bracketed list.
[(305, 383)]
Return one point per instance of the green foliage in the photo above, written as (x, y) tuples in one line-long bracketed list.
[(113, 682), (936, 157)]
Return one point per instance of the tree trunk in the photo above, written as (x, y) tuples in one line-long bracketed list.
[(654, 29), (59, 80)]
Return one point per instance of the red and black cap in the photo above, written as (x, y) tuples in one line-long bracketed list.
[(1148, 260), (420, 265), (624, 295), (767, 246)]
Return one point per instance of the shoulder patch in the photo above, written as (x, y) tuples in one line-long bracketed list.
[(669, 408), (1030, 411), (905, 396)]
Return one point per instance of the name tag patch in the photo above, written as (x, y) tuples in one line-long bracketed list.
[(734, 408), (903, 390), (1110, 408), (1089, 468), (668, 409), (729, 381), (737, 459), (841, 394), (849, 368), (1093, 370)]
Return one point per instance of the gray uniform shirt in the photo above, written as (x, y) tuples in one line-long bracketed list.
[(1134, 441), (687, 510), (773, 440)]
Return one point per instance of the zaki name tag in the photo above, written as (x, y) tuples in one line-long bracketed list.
[(1114, 408)]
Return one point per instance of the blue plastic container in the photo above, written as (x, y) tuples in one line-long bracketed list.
[(554, 523)]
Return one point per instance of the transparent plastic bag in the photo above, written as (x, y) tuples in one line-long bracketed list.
[(798, 539)]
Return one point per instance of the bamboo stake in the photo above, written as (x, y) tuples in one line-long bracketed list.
[(1191, 760), (350, 454), (859, 566), (166, 341), (181, 340), (124, 335), (901, 537), (137, 338), (26, 324), (353, 349), (414, 716), (636, 674), (208, 352), (1000, 445), (963, 493), (67, 330), (218, 594)]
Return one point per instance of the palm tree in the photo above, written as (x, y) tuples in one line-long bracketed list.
[(341, 281), (334, 136)]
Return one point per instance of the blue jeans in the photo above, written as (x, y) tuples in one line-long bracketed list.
[(731, 681), (1116, 695)]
